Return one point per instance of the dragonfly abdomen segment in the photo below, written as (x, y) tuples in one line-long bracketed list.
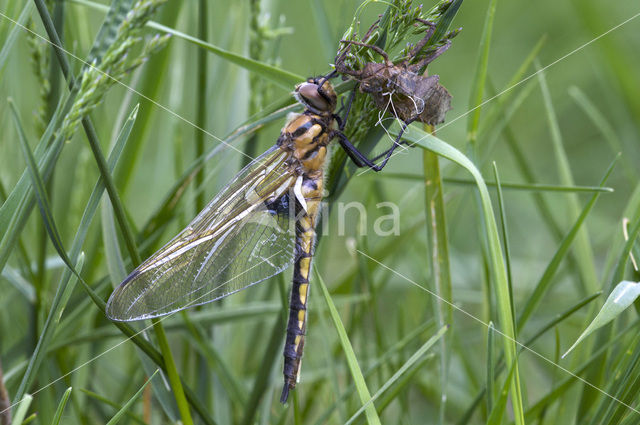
[(297, 325)]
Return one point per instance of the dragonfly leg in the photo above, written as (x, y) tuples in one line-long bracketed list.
[(361, 160), (342, 121)]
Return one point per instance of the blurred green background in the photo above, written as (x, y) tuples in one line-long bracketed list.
[(378, 307)]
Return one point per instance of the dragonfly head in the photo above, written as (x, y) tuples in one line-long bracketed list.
[(319, 100)]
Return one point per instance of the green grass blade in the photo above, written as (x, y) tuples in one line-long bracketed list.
[(23, 407), (489, 390), (10, 41), (417, 356), (125, 408), (40, 190), (379, 363), (562, 387), (445, 21), (63, 402), (545, 281), (172, 373), (528, 187), (505, 235), (497, 413), (17, 206), (352, 361), (583, 250), (607, 130), (282, 78), (480, 77), (116, 406), (497, 264), (622, 296), (438, 242)]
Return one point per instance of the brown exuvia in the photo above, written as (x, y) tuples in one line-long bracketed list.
[(403, 89)]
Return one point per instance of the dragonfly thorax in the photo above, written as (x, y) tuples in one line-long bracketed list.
[(307, 135)]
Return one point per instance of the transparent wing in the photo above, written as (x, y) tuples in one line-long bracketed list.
[(243, 236)]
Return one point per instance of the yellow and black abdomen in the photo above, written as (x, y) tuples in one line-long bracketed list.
[(307, 137), (305, 243)]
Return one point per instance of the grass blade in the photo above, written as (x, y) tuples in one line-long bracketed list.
[(438, 242), (13, 35), (125, 408), (480, 76), (497, 264), (21, 410), (622, 296), (497, 413), (352, 361), (583, 250), (545, 281), (417, 356), (58, 415), (282, 78)]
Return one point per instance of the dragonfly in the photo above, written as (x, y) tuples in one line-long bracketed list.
[(262, 222)]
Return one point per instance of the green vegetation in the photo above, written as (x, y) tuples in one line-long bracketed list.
[(510, 225)]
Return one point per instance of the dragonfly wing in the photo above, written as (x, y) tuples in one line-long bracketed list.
[(243, 236)]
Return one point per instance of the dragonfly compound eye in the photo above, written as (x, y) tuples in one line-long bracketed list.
[(308, 94)]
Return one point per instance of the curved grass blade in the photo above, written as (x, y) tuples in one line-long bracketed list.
[(626, 250), (439, 262), (415, 357), (120, 413), (63, 402), (497, 264), (622, 296), (352, 361)]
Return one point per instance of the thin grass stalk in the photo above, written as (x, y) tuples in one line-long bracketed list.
[(438, 242), (479, 79), (172, 372), (583, 249), (201, 99)]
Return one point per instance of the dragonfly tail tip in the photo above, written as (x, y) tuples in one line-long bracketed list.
[(285, 394)]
